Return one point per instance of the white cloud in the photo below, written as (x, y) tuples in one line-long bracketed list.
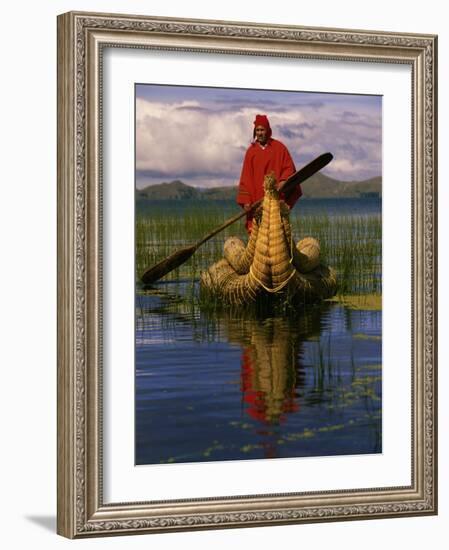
[(191, 141), (180, 139)]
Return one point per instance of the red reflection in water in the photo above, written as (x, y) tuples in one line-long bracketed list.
[(268, 386)]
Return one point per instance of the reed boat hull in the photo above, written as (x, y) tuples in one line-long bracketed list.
[(270, 266)]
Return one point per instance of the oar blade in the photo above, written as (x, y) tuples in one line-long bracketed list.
[(164, 267), (306, 172)]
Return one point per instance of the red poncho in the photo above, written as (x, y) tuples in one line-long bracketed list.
[(257, 163)]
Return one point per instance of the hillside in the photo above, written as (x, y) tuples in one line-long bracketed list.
[(321, 186), (166, 191), (318, 186)]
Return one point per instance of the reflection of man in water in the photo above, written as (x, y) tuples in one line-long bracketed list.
[(268, 383), (271, 369), (263, 156)]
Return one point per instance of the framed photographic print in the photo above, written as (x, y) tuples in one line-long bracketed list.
[(246, 274)]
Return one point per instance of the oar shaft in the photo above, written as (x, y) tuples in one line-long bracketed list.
[(227, 223), (178, 258)]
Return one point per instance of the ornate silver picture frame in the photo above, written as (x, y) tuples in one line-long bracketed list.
[(83, 510)]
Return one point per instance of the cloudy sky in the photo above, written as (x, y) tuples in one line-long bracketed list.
[(200, 135)]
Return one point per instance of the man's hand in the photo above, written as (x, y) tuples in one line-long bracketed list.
[(281, 183)]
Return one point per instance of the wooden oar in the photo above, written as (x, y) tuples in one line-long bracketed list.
[(176, 259)]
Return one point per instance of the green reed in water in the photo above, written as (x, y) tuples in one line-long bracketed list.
[(352, 245)]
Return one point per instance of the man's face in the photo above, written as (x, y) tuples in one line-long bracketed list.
[(261, 134)]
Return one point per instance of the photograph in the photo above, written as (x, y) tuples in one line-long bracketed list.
[(266, 341)]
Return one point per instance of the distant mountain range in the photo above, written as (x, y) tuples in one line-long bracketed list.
[(318, 186)]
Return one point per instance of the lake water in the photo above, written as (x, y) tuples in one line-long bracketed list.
[(331, 207), (227, 385)]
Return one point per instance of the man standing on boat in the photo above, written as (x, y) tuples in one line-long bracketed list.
[(264, 155)]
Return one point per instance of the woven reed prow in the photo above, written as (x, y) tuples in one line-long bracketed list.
[(270, 185)]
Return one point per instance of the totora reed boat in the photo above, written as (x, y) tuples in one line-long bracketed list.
[(271, 265)]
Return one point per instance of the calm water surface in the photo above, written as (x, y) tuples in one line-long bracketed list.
[(230, 387), (329, 207)]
